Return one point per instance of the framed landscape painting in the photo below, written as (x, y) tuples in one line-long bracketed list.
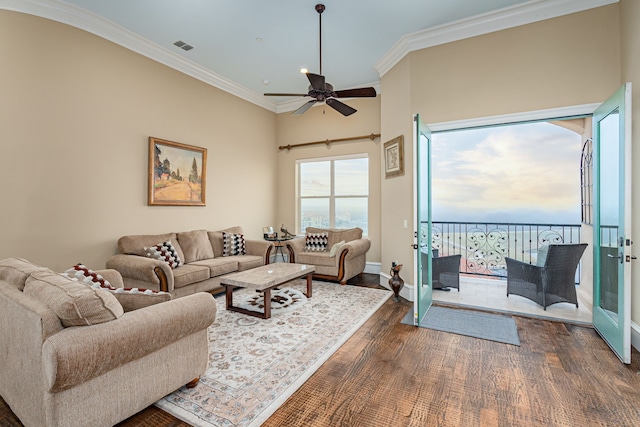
[(177, 174)]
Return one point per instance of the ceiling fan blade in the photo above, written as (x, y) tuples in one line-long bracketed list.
[(305, 107), (340, 107), (285, 94), (364, 92), (316, 80)]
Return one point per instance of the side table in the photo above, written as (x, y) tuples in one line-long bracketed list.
[(278, 242)]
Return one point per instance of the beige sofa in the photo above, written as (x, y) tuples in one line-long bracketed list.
[(343, 256), (55, 374), (202, 254)]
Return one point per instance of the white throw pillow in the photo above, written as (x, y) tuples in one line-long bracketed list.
[(335, 248)]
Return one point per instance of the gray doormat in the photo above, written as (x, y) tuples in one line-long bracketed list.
[(493, 327)]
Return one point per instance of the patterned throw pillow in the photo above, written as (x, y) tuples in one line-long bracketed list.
[(317, 242), (164, 252), (233, 244), (129, 298), (88, 277)]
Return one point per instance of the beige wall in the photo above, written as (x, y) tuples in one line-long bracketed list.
[(565, 61), (318, 124), (76, 112), (630, 16), (397, 192), (560, 62)]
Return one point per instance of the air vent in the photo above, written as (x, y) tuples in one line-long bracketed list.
[(182, 45)]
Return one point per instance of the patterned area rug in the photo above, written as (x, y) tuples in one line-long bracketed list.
[(283, 300), (256, 364)]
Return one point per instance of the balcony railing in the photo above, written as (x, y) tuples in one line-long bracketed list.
[(485, 245)]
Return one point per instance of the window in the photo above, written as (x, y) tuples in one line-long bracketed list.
[(333, 192)]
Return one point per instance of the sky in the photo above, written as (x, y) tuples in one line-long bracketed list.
[(526, 173), (181, 159)]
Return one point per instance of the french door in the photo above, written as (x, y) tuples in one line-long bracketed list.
[(612, 222), (422, 213)]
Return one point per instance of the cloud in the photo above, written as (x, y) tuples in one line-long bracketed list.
[(532, 166)]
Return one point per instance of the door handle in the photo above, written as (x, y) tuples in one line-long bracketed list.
[(620, 257)]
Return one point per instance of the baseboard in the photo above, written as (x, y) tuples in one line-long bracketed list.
[(372, 267), (635, 335)]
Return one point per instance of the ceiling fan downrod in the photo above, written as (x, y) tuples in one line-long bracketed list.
[(320, 9)]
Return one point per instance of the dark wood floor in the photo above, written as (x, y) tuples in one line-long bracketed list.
[(389, 374)]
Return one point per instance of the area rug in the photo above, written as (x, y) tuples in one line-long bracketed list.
[(488, 326), (256, 364), (282, 301)]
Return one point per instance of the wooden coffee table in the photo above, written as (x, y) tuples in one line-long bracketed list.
[(263, 279)]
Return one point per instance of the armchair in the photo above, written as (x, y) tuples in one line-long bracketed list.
[(56, 374), (445, 271), (551, 280), (341, 254)]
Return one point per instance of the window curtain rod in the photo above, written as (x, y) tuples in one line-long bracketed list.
[(329, 141)]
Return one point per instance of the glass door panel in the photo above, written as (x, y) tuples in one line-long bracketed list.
[(612, 222), (422, 202)]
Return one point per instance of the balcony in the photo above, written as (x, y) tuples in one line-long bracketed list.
[(484, 247)]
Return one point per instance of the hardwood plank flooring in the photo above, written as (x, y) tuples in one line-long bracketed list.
[(389, 374)]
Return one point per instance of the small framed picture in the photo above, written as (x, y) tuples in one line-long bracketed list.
[(394, 157), (268, 233)]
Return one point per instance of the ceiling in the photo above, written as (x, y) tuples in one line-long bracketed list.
[(248, 47)]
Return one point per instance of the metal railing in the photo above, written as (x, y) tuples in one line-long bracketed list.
[(485, 245)]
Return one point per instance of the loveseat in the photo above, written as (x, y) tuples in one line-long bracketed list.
[(337, 254), (187, 262), (72, 355)]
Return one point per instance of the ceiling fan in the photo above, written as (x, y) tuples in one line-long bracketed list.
[(322, 91)]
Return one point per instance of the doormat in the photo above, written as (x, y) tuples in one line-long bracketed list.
[(477, 324)]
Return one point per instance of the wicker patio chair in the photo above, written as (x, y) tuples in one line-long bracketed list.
[(551, 280), (445, 271)]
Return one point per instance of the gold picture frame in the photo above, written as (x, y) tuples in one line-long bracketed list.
[(177, 174), (394, 157)]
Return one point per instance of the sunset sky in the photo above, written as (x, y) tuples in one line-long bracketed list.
[(518, 173)]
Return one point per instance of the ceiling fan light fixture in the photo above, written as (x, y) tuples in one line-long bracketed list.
[(304, 70)]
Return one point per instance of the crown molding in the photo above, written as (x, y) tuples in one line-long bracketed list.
[(76, 17), (526, 13), (526, 116), (533, 11)]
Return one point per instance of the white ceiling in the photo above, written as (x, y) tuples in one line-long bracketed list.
[(240, 44)]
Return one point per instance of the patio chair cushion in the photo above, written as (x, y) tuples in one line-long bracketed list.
[(542, 255)]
